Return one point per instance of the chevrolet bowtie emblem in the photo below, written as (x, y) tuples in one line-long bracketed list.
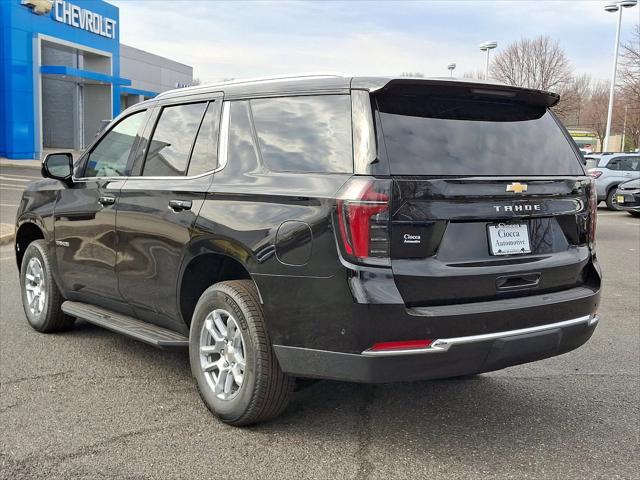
[(40, 7), (517, 187)]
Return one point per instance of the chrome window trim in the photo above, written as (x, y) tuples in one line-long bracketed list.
[(444, 344), (222, 158)]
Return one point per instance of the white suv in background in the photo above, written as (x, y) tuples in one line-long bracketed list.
[(612, 170)]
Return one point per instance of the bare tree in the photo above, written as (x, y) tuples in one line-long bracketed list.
[(630, 88), (412, 75), (573, 99), (477, 75), (594, 116), (538, 63), (630, 64)]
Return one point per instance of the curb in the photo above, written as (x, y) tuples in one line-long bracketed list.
[(6, 238), (5, 162)]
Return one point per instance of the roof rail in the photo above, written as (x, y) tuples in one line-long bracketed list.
[(251, 80)]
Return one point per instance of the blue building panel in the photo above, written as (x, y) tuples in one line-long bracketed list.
[(84, 23)]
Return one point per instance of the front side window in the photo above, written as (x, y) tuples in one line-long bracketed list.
[(305, 134), (109, 158), (171, 141)]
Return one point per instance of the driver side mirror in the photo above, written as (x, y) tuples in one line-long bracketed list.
[(58, 166)]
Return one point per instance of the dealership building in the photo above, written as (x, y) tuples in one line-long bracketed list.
[(64, 71)]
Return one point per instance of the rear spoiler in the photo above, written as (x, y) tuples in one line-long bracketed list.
[(445, 86)]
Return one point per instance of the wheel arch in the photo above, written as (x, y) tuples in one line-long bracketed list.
[(27, 231), (203, 270)]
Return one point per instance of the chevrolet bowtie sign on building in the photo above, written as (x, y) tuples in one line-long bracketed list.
[(63, 72), (39, 6)]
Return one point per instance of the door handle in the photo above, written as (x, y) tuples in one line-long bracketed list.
[(106, 200), (179, 205)]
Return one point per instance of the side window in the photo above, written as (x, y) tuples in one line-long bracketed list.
[(171, 141), (630, 164), (614, 164), (305, 134), (204, 157), (110, 156), (241, 149)]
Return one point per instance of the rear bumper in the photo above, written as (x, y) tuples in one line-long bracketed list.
[(446, 357)]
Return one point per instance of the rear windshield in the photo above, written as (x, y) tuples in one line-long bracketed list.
[(467, 135)]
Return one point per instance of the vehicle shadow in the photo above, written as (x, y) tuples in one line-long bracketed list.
[(443, 418)]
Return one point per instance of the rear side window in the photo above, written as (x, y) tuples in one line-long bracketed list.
[(470, 135), (242, 153), (171, 142), (204, 157), (305, 134), (629, 164)]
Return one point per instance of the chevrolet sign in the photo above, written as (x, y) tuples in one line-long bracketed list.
[(40, 7), (67, 12)]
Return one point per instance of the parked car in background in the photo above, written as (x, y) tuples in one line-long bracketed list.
[(612, 170), (628, 197), (591, 160)]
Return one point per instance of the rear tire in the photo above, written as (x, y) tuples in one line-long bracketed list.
[(229, 347), (41, 298), (612, 203)]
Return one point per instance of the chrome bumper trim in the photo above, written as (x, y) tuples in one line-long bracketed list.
[(444, 344)]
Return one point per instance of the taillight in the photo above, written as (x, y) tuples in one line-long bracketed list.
[(363, 218), (595, 173), (593, 213)]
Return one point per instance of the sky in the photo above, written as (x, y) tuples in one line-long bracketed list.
[(239, 39)]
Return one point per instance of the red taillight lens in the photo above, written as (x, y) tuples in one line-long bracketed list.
[(593, 213), (404, 345), (363, 218), (595, 173)]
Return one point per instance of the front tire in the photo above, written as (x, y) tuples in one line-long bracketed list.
[(41, 298), (612, 203), (236, 370)]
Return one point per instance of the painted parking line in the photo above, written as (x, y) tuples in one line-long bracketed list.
[(9, 205), (7, 186)]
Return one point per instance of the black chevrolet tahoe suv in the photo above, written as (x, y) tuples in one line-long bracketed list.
[(360, 229)]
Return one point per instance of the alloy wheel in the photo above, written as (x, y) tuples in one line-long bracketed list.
[(222, 354)]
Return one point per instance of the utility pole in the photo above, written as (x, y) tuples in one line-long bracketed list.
[(624, 127)]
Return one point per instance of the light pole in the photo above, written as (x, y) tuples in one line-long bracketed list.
[(624, 127), (451, 67), (487, 47), (611, 8)]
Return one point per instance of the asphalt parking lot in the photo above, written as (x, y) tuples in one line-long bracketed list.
[(92, 404)]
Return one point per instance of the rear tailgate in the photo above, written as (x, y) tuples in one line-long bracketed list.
[(489, 197), (441, 250)]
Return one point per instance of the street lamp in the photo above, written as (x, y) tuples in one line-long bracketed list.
[(486, 47), (451, 67), (611, 8)]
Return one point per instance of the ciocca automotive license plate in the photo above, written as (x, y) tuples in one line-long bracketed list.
[(509, 239)]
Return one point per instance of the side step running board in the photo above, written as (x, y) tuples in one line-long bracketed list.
[(129, 326)]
